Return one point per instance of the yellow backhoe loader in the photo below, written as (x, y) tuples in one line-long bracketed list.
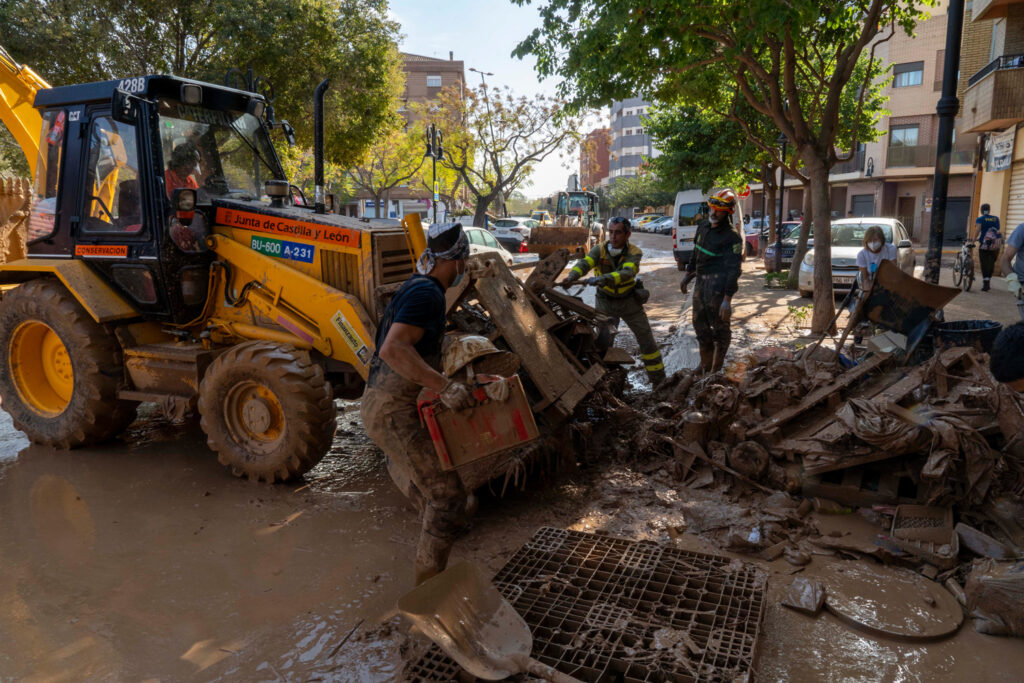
[(168, 261)]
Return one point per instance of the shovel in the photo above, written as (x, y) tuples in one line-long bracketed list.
[(466, 616)]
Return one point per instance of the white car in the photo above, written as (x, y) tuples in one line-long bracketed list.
[(483, 242), (511, 232), (847, 241)]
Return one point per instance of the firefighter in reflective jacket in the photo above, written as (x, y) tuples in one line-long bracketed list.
[(619, 294), (716, 262)]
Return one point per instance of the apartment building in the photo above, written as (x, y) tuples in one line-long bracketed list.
[(894, 175), (630, 142), (594, 157), (425, 78), (992, 103)]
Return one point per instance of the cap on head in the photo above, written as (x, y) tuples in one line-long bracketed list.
[(724, 201)]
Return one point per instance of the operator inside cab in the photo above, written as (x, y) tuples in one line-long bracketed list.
[(181, 168), (407, 359)]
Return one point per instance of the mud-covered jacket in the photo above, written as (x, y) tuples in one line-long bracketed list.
[(622, 268), (717, 251)]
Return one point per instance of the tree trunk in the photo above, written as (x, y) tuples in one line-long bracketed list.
[(480, 214), (801, 243), (824, 302)]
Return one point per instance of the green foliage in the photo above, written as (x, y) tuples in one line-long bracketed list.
[(292, 43), (642, 190), (12, 159), (776, 280), (801, 314), (394, 159), (298, 166)]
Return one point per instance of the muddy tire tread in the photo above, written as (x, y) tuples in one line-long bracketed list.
[(95, 414), (310, 421)]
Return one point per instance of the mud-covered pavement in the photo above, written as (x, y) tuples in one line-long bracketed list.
[(145, 559)]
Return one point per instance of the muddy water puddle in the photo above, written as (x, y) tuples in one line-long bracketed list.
[(145, 558)]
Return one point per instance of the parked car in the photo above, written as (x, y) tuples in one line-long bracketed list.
[(540, 216), (641, 221), (659, 226), (752, 236), (482, 242), (847, 241), (790, 232), (511, 232)]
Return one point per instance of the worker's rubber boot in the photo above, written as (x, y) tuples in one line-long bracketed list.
[(719, 360), (656, 377), (431, 556), (985, 286), (707, 359)]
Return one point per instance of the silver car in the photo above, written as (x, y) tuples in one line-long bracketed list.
[(847, 241)]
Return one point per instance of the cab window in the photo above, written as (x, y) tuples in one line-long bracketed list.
[(51, 152), (114, 198)]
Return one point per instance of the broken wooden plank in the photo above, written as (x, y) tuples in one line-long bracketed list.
[(818, 395)]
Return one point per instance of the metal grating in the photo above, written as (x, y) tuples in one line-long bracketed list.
[(608, 610)]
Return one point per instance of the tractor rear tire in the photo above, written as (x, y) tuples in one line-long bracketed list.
[(62, 370), (267, 411)]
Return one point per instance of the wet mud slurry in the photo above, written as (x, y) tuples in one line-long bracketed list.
[(145, 559)]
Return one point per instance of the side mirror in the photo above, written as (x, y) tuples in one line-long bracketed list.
[(125, 107), (905, 244), (289, 132)]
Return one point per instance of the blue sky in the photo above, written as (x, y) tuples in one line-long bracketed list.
[(483, 34)]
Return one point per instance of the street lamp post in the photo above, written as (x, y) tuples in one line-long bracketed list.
[(782, 194), (435, 150)]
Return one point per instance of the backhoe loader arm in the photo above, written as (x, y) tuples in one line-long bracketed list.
[(18, 87)]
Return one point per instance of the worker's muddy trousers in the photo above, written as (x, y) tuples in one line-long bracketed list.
[(713, 333), (632, 312), (394, 426)]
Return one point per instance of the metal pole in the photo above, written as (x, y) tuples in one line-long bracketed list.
[(782, 196), (946, 109), (764, 205), (434, 195)]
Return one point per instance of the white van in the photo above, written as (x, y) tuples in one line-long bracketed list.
[(690, 209)]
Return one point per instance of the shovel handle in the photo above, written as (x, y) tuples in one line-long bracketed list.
[(548, 673)]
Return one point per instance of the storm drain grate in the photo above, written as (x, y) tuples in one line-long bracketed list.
[(604, 609)]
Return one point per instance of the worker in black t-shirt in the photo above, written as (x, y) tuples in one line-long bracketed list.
[(407, 359)]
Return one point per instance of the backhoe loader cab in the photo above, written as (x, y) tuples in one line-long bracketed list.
[(168, 263)]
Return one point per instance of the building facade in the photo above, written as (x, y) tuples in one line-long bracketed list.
[(992, 104), (894, 175), (594, 157), (630, 142), (425, 78)]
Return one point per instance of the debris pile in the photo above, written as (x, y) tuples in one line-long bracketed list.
[(931, 454)]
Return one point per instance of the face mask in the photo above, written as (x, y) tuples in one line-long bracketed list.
[(613, 251), (460, 273), (875, 245)]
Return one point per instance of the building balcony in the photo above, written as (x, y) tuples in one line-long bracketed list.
[(994, 99), (854, 165), (991, 9), (923, 156)]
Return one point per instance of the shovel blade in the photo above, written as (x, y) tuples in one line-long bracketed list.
[(468, 618)]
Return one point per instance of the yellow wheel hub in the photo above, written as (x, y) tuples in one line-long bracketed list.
[(41, 368), (254, 417)]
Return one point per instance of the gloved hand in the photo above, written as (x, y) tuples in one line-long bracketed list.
[(685, 284), (573, 277), (1013, 284), (725, 311), (594, 281), (457, 396), (497, 391)]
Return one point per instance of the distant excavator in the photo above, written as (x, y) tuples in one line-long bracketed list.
[(574, 226)]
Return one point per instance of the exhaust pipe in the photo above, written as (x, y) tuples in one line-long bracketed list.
[(319, 194)]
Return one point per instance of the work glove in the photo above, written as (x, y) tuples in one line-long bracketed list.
[(595, 281), (1013, 284), (457, 396), (725, 311), (497, 391), (685, 284)]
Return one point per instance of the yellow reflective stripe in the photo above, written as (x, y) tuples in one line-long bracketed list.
[(652, 368), (577, 269), (630, 265), (616, 277), (651, 356), (590, 261)]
